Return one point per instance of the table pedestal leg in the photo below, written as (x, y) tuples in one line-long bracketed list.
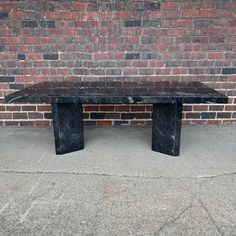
[(68, 127), (166, 128)]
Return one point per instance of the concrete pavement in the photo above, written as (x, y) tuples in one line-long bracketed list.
[(117, 185)]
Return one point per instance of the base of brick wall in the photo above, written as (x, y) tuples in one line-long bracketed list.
[(109, 115)]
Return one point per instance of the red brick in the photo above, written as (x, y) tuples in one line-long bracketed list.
[(215, 56), (130, 71), (132, 40), (122, 108), (123, 15), (156, 15), (213, 122), (169, 6), (104, 123), (100, 56), (13, 40), (18, 15), (185, 23), (230, 108), (13, 108), (42, 123), (191, 14), (5, 116), (208, 13), (91, 108), (2, 108), (11, 123), (53, 15), (20, 116), (200, 108), (80, 6), (71, 32), (29, 108), (138, 108), (35, 115), (106, 108)]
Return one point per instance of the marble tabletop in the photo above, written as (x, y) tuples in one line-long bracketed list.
[(142, 92)]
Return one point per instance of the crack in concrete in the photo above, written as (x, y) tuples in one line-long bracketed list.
[(208, 213), (115, 175), (166, 224)]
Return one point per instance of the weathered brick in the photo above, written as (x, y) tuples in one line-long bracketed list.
[(50, 56), (151, 23), (142, 115), (16, 86), (112, 116), (29, 108), (1, 48), (132, 23), (20, 116), (7, 79), (5, 116), (107, 108), (153, 6), (97, 116), (228, 71), (121, 122), (208, 115), (127, 116), (21, 56), (4, 15), (225, 115), (13, 108), (47, 24), (29, 24), (35, 115), (132, 56), (193, 115), (104, 123)]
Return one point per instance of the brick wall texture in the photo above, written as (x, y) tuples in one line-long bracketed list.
[(185, 40)]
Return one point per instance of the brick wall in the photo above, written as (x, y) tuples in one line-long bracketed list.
[(116, 39)]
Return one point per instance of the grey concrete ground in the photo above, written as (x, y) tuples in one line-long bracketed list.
[(117, 185)]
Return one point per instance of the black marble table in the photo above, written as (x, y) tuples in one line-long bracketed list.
[(67, 98)]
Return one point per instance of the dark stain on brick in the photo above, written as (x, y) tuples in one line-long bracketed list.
[(150, 56), (122, 122), (98, 116), (127, 116), (193, 115), (132, 56), (7, 79), (1, 48), (30, 24), (229, 71), (151, 23), (132, 23), (47, 24), (21, 57), (143, 116), (48, 115), (16, 86), (208, 115), (50, 56), (4, 15), (202, 23), (224, 115), (153, 6)]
